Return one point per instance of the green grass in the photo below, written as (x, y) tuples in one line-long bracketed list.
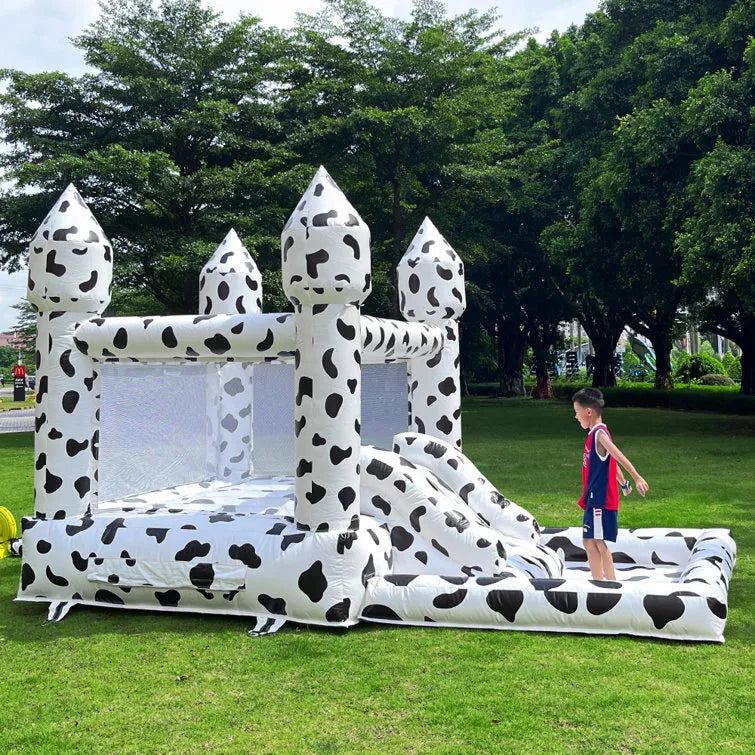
[(115, 681), (7, 404)]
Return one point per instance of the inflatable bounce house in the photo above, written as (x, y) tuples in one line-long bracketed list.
[(304, 466)]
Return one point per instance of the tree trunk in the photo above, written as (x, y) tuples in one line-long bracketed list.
[(544, 389), (662, 345), (604, 369), (511, 349), (397, 224), (747, 360), (604, 329)]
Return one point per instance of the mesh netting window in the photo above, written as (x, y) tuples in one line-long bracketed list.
[(154, 421)]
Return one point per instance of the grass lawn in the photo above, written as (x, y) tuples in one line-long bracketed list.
[(7, 404), (112, 681)]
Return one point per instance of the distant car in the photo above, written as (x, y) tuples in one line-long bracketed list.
[(31, 381)]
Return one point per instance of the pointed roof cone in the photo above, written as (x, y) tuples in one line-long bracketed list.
[(431, 278), (231, 256), (323, 204), (429, 241), (325, 247), (70, 259), (70, 220)]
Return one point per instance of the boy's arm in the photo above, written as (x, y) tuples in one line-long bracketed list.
[(610, 447)]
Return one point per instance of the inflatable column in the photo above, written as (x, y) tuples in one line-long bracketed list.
[(431, 289), (325, 249), (70, 272), (230, 283)]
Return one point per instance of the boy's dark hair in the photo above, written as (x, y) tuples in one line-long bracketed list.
[(590, 398)]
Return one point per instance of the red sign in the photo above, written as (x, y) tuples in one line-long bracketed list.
[(19, 371)]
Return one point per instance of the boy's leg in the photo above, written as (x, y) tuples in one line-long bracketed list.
[(594, 558), (606, 560), (588, 539)]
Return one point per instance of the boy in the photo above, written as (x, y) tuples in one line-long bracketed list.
[(600, 483)]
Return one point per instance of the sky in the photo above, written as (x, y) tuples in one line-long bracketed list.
[(35, 36)]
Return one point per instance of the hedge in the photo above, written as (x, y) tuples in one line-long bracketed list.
[(708, 398)]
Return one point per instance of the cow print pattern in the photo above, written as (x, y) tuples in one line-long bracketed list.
[(389, 340), (431, 289), (70, 271), (425, 518), (431, 278), (70, 259), (417, 535), (230, 283), (458, 473), (327, 412), (690, 604), (267, 337), (325, 248), (241, 563)]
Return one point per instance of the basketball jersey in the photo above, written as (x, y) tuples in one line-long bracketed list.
[(599, 486)]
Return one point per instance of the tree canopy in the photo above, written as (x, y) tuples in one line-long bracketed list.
[(607, 173)]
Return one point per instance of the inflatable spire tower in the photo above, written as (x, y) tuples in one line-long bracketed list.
[(70, 273), (325, 248)]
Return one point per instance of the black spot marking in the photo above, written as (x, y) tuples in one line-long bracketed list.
[(169, 338), (312, 582), (193, 549), (169, 598), (450, 600), (663, 608), (202, 576), (505, 602), (327, 364), (105, 596), (347, 331), (333, 405), (414, 517), (377, 611), (266, 342), (218, 344), (70, 400), (317, 494), (382, 504), (400, 538)]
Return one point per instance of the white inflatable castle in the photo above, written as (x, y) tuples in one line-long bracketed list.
[(237, 462)]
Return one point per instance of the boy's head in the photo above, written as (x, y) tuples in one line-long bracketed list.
[(588, 406)]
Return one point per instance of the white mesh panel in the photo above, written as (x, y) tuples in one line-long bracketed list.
[(384, 412), (152, 427), (153, 421), (273, 419)]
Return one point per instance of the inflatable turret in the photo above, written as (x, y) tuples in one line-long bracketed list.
[(431, 290), (325, 248)]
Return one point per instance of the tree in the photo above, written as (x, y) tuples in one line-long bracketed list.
[(171, 141), (393, 107), (632, 66)]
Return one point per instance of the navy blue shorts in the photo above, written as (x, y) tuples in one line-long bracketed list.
[(600, 524)]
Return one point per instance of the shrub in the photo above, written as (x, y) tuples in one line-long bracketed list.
[(692, 368), (714, 379), (733, 366)]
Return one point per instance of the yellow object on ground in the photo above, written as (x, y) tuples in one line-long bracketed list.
[(8, 531)]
